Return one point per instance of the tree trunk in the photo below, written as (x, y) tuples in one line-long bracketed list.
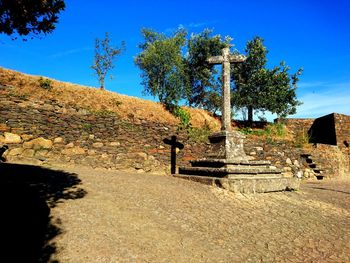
[(250, 116)]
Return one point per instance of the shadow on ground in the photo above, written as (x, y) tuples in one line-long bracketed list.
[(26, 195)]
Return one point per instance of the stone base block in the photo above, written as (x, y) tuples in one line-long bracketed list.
[(248, 185)]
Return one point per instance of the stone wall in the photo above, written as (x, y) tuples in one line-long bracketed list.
[(50, 132), (332, 129), (96, 139), (297, 126), (342, 128), (331, 159), (283, 154)]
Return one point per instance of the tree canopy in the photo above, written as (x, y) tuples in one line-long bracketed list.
[(26, 17), (203, 85), (175, 68), (163, 66), (261, 89)]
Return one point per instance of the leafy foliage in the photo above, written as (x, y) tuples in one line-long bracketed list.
[(172, 76), (204, 87), (184, 116), (105, 54), (259, 88), (26, 17), (163, 66)]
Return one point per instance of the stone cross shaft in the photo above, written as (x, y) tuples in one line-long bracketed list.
[(225, 59)]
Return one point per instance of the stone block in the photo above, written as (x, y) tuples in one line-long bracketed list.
[(38, 143), (58, 140), (69, 145), (114, 144), (97, 145), (28, 153), (73, 151), (15, 152), (27, 137), (11, 138)]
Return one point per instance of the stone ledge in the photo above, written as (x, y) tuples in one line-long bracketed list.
[(247, 185), (233, 162), (214, 171)]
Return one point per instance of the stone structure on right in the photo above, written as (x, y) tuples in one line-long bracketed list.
[(226, 163)]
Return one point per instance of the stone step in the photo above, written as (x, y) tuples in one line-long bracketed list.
[(224, 172), (312, 165), (223, 162), (247, 185)]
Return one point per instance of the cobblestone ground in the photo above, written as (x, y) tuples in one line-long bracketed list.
[(152, 218)]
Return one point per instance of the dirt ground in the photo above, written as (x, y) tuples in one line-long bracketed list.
[(152, 218)]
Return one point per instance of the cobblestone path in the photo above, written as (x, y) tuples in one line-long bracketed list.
[(152, 218)]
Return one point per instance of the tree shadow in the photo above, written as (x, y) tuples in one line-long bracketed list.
[(26, 195)]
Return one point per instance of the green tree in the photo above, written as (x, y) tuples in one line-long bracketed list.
[(261, 89), (204, 86), (163, 67), (105, 54), (26, 17)]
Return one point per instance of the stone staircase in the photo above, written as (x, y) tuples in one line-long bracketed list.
[(310, 162)]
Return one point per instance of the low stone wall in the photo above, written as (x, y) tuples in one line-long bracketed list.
[(49, 132), (96, 139)]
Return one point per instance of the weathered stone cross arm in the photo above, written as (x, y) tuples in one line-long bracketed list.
[(231, 59)]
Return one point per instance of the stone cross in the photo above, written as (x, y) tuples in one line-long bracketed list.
[(225, 59)]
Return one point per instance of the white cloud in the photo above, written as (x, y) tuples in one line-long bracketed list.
[(324, 98), (69, 52), (191, 25)]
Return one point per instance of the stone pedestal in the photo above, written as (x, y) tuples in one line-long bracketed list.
[(227, 145), (226, 165)]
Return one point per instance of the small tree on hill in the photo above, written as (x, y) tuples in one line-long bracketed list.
[(26, 17), (163, 66), (258, 88), (105, 54)]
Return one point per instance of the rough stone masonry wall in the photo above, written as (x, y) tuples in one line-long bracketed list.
[(333, 159), (50, 132), (342, 128), (94, 139), (285, 155), (297, 126)]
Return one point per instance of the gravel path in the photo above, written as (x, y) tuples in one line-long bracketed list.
[(152, 218)]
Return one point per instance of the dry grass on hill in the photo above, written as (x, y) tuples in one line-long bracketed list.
[(127, 107)]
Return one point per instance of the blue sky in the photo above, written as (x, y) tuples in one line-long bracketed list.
[(311, 34)]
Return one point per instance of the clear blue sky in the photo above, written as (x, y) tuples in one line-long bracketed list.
[(311, 34)]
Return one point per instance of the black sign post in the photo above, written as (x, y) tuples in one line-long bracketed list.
[(174, 144)]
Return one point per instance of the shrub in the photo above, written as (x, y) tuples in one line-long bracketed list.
[(45, 83), (184, 116)]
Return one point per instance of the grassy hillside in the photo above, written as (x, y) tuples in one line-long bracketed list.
[(39, 88)]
